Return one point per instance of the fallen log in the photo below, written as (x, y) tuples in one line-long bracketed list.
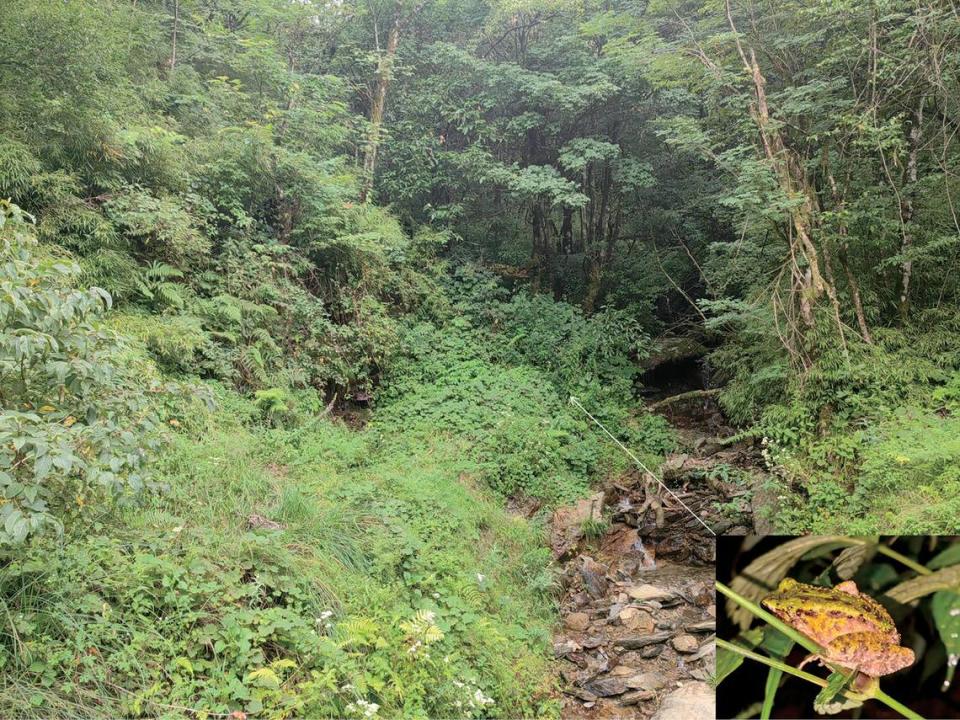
[(683, 397)]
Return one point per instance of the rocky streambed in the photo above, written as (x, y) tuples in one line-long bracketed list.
[(638, 609)]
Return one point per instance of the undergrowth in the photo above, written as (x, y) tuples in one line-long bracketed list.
[(863, 440), (396, 585)]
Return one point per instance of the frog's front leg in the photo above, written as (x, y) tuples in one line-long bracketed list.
[(870, 653)]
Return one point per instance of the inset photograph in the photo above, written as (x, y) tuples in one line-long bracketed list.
[(849, 627)]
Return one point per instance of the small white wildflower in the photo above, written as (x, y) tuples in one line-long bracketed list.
[(326, 614), (481, 577), (436, 596), (178, 529)]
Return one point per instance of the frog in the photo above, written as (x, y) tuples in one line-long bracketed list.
[(855, 630)]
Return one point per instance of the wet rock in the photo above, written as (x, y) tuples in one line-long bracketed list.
[(581, 694), (708, 649), (640, 641), (651, 651), (695, 701), (580, 599), (577, 621), (685, 644), (593, 575), (636, 619), (704, 596), (564, 648), (646, 681), (593, 642), (649, 592), (637, 696), (625, 544), (566, 526), (607, 686), (631, 659), (673, 466)]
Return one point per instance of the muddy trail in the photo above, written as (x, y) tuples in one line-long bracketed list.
[(638, 608)]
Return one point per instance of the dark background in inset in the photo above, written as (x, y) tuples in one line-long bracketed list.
[(918, 687)]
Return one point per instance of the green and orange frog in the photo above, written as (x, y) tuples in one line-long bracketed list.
[(854, 629)]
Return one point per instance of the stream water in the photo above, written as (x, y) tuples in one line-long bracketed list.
[(638, 608)]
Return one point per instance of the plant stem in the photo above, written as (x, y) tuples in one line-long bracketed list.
[(896, 705), (797, 637), (912, 564), (772, 662)]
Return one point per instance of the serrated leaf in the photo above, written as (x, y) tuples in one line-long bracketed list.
[(829, 701), (264, 677), (851, 559), (945, 607), (918, 587)]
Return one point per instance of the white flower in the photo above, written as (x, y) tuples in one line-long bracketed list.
[(178, 529), (481, 578), (324, 615)]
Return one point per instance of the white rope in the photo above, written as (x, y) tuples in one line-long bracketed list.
[(623, 447)]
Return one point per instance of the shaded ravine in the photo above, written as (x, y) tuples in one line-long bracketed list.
[(638, 609)]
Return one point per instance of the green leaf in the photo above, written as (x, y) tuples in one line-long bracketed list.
[(945, 607), (829, 701), (264, 677)]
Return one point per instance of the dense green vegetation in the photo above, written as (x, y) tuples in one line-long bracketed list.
[(293, 296)]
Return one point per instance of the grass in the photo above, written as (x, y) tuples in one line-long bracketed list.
[(397, 580)]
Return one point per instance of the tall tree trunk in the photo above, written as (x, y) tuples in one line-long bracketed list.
[(792, 179), (544, 254), (839, 205), (379, 104), (176, 27), (906, 207)]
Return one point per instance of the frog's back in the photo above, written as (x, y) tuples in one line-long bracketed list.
[(826, 613)]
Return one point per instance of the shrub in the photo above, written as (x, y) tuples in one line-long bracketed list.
[(78, 423)]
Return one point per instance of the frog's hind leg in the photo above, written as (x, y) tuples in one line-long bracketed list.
[(868, 654)]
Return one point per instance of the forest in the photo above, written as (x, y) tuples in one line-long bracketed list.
[(302, 303)]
